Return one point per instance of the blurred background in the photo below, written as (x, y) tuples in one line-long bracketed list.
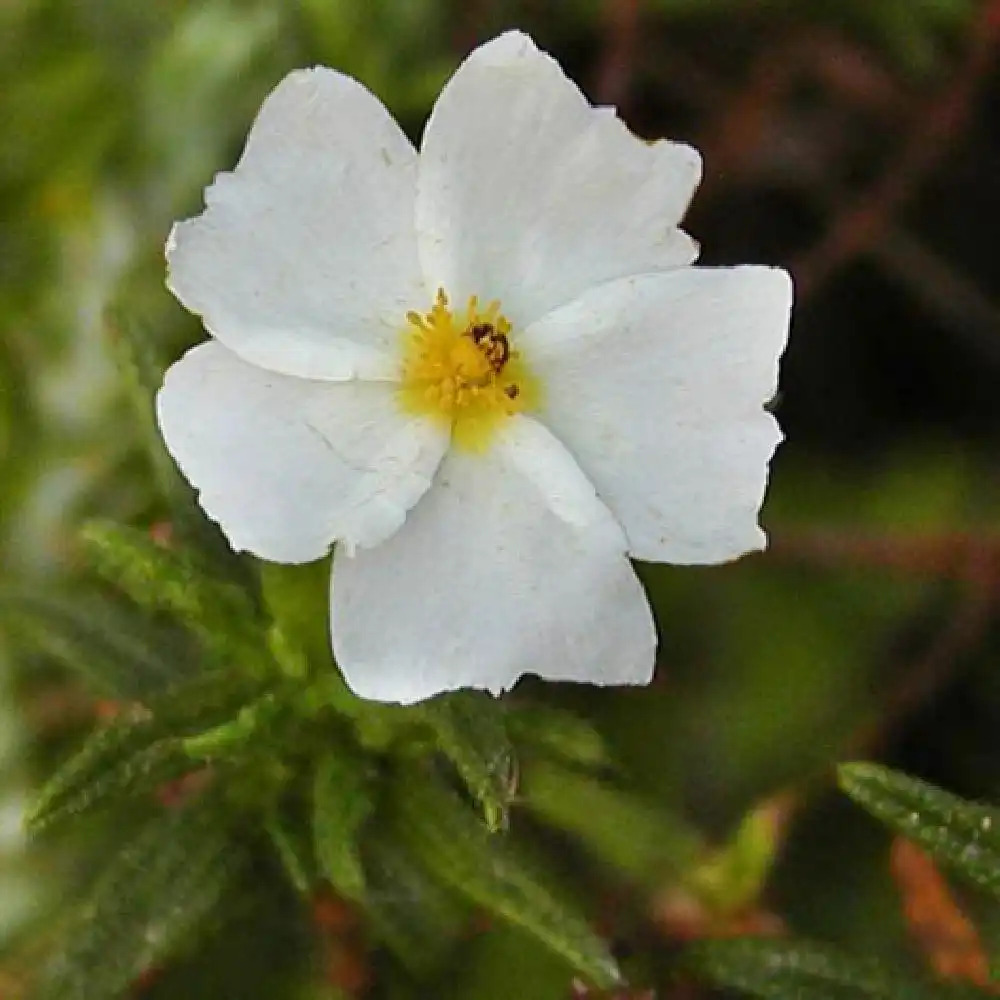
[(856, 142)]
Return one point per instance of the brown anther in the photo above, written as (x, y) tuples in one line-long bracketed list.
[(493, 343)]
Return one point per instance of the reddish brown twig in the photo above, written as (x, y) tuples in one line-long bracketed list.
[(931, 135), (955, 300), (734, 142), (946, 937), (614, 73), (345, 962), (957, 555)]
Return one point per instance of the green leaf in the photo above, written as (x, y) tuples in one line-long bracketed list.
[(151, 901), (232, 737), (646, 842), (732, 877), (119, 761), (446, 837), (964, 836), (298, 601), (141, 749), (342, 803), (553, 732), (786, 970), (297, 598), (221, 614), (412, 913), (469, 729), (505, 962), (293, 849), (121, 656)]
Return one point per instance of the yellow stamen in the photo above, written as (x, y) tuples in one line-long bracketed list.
[(462, 370)]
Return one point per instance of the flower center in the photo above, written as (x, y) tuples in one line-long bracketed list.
[(461, 369)]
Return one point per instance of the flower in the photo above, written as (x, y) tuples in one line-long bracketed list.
[(487, 371)]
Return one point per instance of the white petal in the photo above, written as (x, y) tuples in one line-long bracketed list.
[(287, 465), (656, 385), (305, 260), (530, 195), (509, 565)]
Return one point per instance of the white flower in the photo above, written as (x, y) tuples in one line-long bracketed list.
[(487, 371)]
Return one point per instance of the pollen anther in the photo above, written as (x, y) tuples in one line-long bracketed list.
[(461, 368)]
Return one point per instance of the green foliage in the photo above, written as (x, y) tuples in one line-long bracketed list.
[(964, 836), (155, 897), (298, 597), (792, 970), (294, 848), (730, 878), (647, 843), (448, 839), (342, 803), (394, 47), (97, 638), (505, 962), (141, 749), (220, 613), (470, 730), (118, 762), (546, 731), (417, 917)]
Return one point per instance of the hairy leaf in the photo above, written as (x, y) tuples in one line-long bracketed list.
[(964, 836), (554, 732), (790, 970), (220, 613), (341, 804), (116, 763), (152, 899), (454, 845), (121, 656), (632, 835), (469, 729), (295, 852), (141, 749), (417, 918)]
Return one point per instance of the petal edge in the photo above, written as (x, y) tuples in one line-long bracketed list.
[(489, 580)]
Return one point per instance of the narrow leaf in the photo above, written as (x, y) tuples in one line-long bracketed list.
[(341, 804), (116, 763), (221, 614), (298, 600), (293, 850), (412, 913), (786, 970), (121, 656), (553, 732), (207, 699), (151, 901), (964, 836), (730, 878), (141, 749), (470, 730), (646, 842), (458, 849)]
